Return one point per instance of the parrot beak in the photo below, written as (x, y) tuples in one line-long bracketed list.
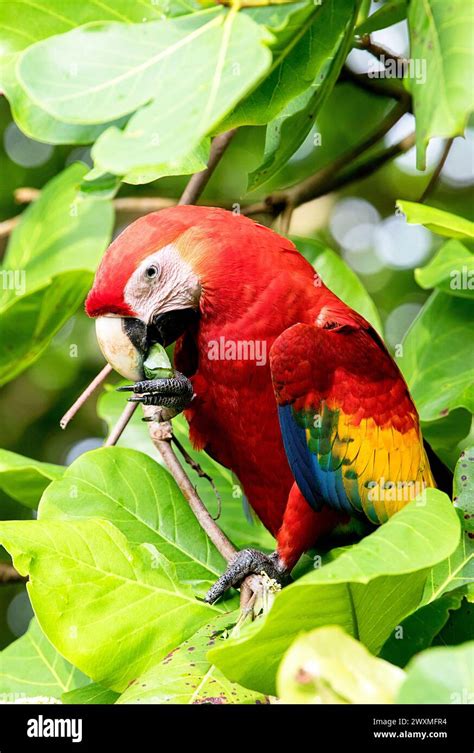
[(123, 344), (125, 341)]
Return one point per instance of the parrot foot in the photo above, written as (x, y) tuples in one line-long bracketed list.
[(248, 562), (174, 392)]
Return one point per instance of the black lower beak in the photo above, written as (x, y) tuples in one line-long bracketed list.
[(164, 329)]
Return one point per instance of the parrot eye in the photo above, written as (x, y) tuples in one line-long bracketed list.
[(151, 271)]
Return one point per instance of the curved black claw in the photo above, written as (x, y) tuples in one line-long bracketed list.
[(172, 392), (247, 562)]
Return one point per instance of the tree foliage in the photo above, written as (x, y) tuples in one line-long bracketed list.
[(129, 96)]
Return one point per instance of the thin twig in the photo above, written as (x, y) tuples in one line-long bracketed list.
[(198, 181), (8, 575), (121, 424), (383, 54), (132, 204), (84, 396), (161, 435), (437, 171), (8, 226), (202, 474), (381, 87), (330, 176), (370, 166)]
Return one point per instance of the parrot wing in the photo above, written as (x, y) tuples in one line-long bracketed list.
[(349, 426)]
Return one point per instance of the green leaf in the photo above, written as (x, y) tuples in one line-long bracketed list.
[(450, 435), (437, 220), (340, 278), (437, 357), (457, 571), (60, 232), (25, 479), (392, 12), (34, 121), (185, 676), (450, 270), (142, 499), (23, 23), (91, 693), (388, 568), (440, 675), (111, 608), (294, 64), (418, 631), (441, 38), (48, 267), (242, 532), (232, 57), (187, 165), (464, 487), (30, 667), (459, 628), (327, 43), (329, 666)]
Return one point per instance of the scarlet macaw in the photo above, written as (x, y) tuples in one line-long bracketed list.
[(321, 430)]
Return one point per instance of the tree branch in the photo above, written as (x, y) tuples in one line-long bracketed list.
[(84, 396), (161, 435), (381, 87), (8, 575), (198, 181), (437, 172), (333, 176), (383, 54)]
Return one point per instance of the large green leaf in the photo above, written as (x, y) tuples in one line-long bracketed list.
[(329, 666), (440, 675), (450, 435), (418, 631), (437, 220), (34, 121), (321, 53), (30, 667), (437, 357), (142, 500), (91, 693), (22, 24), (295, 64), (220, 57), (441, 39), (186, 676), (111, 608), (457, 571), (340, 278), (388, 569), (450, 270), (391, 12), (25, 479), (243, 532), (48, 267)]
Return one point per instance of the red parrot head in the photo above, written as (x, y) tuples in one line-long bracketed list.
[(167, 269), (146, 289)]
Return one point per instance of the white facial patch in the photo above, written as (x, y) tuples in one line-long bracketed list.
[(163, 282)]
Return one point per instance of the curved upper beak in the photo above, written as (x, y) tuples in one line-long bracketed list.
[(123, 343)]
